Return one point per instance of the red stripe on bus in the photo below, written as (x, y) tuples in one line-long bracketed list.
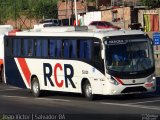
[(13, 32), (1, 62), (119, 80), (25, 69)]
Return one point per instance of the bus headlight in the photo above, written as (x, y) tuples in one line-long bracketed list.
[(114, 82), (152, 78)]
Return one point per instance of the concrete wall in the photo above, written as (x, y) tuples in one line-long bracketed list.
[(65, 9), (90, 16), (123, 16)]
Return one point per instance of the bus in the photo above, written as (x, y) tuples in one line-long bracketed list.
[(90, 62), (3, 30)]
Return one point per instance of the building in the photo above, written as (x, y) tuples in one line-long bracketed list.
[(66, 7)]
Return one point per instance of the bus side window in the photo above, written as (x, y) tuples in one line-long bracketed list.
[(97, 51), (41, 48), (9, 47), (88, 50), (73, 50), (70, 49), (44, 48), (52, 48), (16, 47), (38, 48), (55, 48), (25, 47), (28, 47), (85, 49), (66, 49), (59, 48)]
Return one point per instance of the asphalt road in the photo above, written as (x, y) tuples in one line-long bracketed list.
[(16, 103)]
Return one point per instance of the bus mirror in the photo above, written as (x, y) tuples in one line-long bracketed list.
[(102, 54)]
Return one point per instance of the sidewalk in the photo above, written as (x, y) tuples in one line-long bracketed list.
[(150, 34), (157, 60)]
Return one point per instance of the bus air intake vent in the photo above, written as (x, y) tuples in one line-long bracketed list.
[(134, 89)]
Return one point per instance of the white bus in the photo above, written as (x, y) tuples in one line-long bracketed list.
[(3, 30), (90, 62)]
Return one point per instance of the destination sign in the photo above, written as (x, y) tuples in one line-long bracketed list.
[(113, 42)]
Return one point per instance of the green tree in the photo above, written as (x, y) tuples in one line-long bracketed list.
[(13, 9), (151, 3)]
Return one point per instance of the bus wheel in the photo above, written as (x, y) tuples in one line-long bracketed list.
[(35, 87), (87, 89)]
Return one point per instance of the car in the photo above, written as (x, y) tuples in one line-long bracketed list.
[(104, 25), (50, 22), (135, 26)]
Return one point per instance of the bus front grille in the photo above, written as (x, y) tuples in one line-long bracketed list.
[(134, 89)]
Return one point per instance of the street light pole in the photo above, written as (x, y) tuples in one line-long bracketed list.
[(123, 15), (75, 11), (15, 16)]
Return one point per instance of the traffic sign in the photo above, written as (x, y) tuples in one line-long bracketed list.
[(156, 38)]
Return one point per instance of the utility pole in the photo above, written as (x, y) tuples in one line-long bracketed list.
[(123, 15), (15, 16), (75, 12), (112, 3), (97, 6), (86, 5)]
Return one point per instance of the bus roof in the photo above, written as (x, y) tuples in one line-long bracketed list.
[(5, 28), (71, 32)]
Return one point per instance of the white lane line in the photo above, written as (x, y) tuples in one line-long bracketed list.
[(8, 90), (14, 87), (7, 96), (133, 106), (49, 99), (63, 100), (144, 102)]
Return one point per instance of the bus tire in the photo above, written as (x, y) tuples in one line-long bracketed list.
[(35, 87), (87, 89)]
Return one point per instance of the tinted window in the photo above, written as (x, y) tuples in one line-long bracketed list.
[(108, 24), (16, 47), (41, 48), (38, 48), (55, 48), (28, 47), (70, 49), (44, 48), (101, 24), (94, 23), (85, 49)]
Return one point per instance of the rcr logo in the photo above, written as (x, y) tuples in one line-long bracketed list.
[(58, 67)]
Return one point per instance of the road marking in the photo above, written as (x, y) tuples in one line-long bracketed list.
[(7, 96), (8, 90), (134, 106), (144, 102), (63, 100), (49, 99)]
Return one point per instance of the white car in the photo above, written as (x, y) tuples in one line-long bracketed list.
[(50, 22)]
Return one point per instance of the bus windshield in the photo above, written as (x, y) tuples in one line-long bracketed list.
[(129, 55)]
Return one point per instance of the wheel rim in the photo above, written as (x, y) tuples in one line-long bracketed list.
[(88, 90), (35, 87)]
